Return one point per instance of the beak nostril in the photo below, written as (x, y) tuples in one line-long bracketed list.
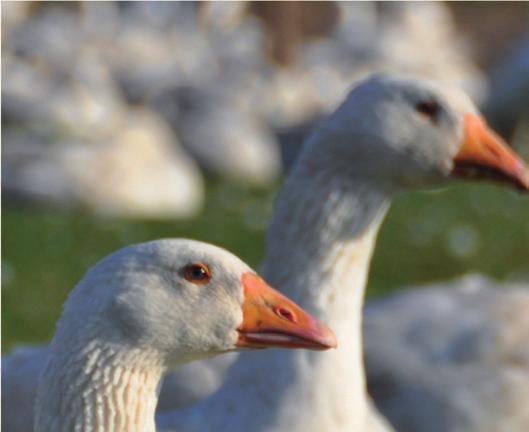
[(493, 150), (286, 314)]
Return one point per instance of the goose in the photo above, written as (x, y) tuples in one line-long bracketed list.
[(150, 307), (391, 134)]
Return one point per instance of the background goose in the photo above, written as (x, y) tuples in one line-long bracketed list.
[(148, 308), (68, 68), (451, 356), (391, 134)]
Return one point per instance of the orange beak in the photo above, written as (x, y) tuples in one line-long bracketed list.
[(272, 320), (484, 154)]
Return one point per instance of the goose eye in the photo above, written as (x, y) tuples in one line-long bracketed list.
[(197, 273), (428, 109)]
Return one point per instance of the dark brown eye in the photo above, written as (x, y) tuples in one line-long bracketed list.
[(428, 109), (197, 273)]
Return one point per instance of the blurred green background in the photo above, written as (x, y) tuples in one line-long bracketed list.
[(426, 237)]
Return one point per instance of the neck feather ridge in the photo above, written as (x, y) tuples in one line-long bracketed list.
[(100, 388), (321, 239)]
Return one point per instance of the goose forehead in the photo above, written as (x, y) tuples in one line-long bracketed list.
[(190, 250), (394, 85), (174, 253), (453, 97)]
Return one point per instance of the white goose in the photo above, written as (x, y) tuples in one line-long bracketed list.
[(391, 134), (145, 309)]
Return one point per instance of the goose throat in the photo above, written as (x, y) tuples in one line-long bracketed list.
[(102, 390), (323, 258)]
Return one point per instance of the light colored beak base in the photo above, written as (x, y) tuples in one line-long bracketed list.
[(484, 154), (272, 320)]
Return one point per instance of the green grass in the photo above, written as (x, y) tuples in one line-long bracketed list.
[(426, 237), (435, 236)]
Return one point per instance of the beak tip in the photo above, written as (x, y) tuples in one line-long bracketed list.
[(331, 340), (525, 180), (323, 338)]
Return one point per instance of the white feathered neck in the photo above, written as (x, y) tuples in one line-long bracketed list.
[(101, 388)]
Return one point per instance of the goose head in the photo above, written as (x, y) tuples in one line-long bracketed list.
[(183, 300), (407, 132)]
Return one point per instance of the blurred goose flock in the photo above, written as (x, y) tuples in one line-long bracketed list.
[(141, 97), (127, 121)]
